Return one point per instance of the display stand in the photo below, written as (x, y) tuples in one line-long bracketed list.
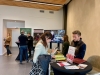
[(50, 45), (58, 45)]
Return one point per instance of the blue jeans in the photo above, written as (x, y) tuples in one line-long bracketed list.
[(8, 50), (23, 49), (44, 61)]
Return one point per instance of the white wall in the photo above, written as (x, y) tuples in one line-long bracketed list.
[(3, 35), (84, 15), (32, 17), (14, 32), (15, 35), (13, 24)]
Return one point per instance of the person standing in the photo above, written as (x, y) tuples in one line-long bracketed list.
[(7, 44), (78, 44), (30, 43), (65, 45), (23, 46), (40, 49)]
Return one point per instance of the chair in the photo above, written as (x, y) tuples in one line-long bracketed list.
[(95, 62)]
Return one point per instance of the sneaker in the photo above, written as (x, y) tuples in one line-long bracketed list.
[(10, 55), (27, 61), (31, 61)]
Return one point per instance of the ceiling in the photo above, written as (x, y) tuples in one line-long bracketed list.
[(39, 4)]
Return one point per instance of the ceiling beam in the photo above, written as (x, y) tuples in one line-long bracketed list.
[(61, 2), (30, 5)]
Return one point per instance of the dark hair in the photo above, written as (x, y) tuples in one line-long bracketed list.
[(43, 37), (65, 38), (77, 32)]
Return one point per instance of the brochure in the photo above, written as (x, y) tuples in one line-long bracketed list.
[(71, 67), (78, 61), (82, 66), (70, 55), (63, 64), (60, 57)]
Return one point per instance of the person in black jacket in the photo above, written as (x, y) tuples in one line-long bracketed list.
[(30, 43), (65, 45), (78, 44), (23, 46)]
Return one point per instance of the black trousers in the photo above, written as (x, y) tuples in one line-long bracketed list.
[(30, 49)]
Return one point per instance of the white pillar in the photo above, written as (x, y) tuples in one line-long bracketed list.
[(1, 36)]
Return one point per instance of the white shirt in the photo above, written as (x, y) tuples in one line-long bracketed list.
[(39, 50)]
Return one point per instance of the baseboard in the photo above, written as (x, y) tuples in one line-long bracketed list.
[(3, 53), (14, 46)]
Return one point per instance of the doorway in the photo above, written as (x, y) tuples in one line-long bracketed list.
[(13, 27)]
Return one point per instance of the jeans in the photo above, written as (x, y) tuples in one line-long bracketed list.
[(8, 50), (44, 61), (22, 50)]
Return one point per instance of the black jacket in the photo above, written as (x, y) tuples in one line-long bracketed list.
[(30, 41), (80, 49), (65, 48), (22, 40)]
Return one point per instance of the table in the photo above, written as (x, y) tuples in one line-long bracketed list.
[(62, 71)]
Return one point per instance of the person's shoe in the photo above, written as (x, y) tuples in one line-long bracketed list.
[(31, 61), (10, 54), (20, 62), (27, 61)]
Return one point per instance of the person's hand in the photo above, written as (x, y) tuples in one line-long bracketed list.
[(53, 57), (66, 55), (52, 50)]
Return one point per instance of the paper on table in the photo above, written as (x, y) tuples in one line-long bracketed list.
[(82, 66), (63, 64), (60, 57), (78, 61), (72, 67)]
